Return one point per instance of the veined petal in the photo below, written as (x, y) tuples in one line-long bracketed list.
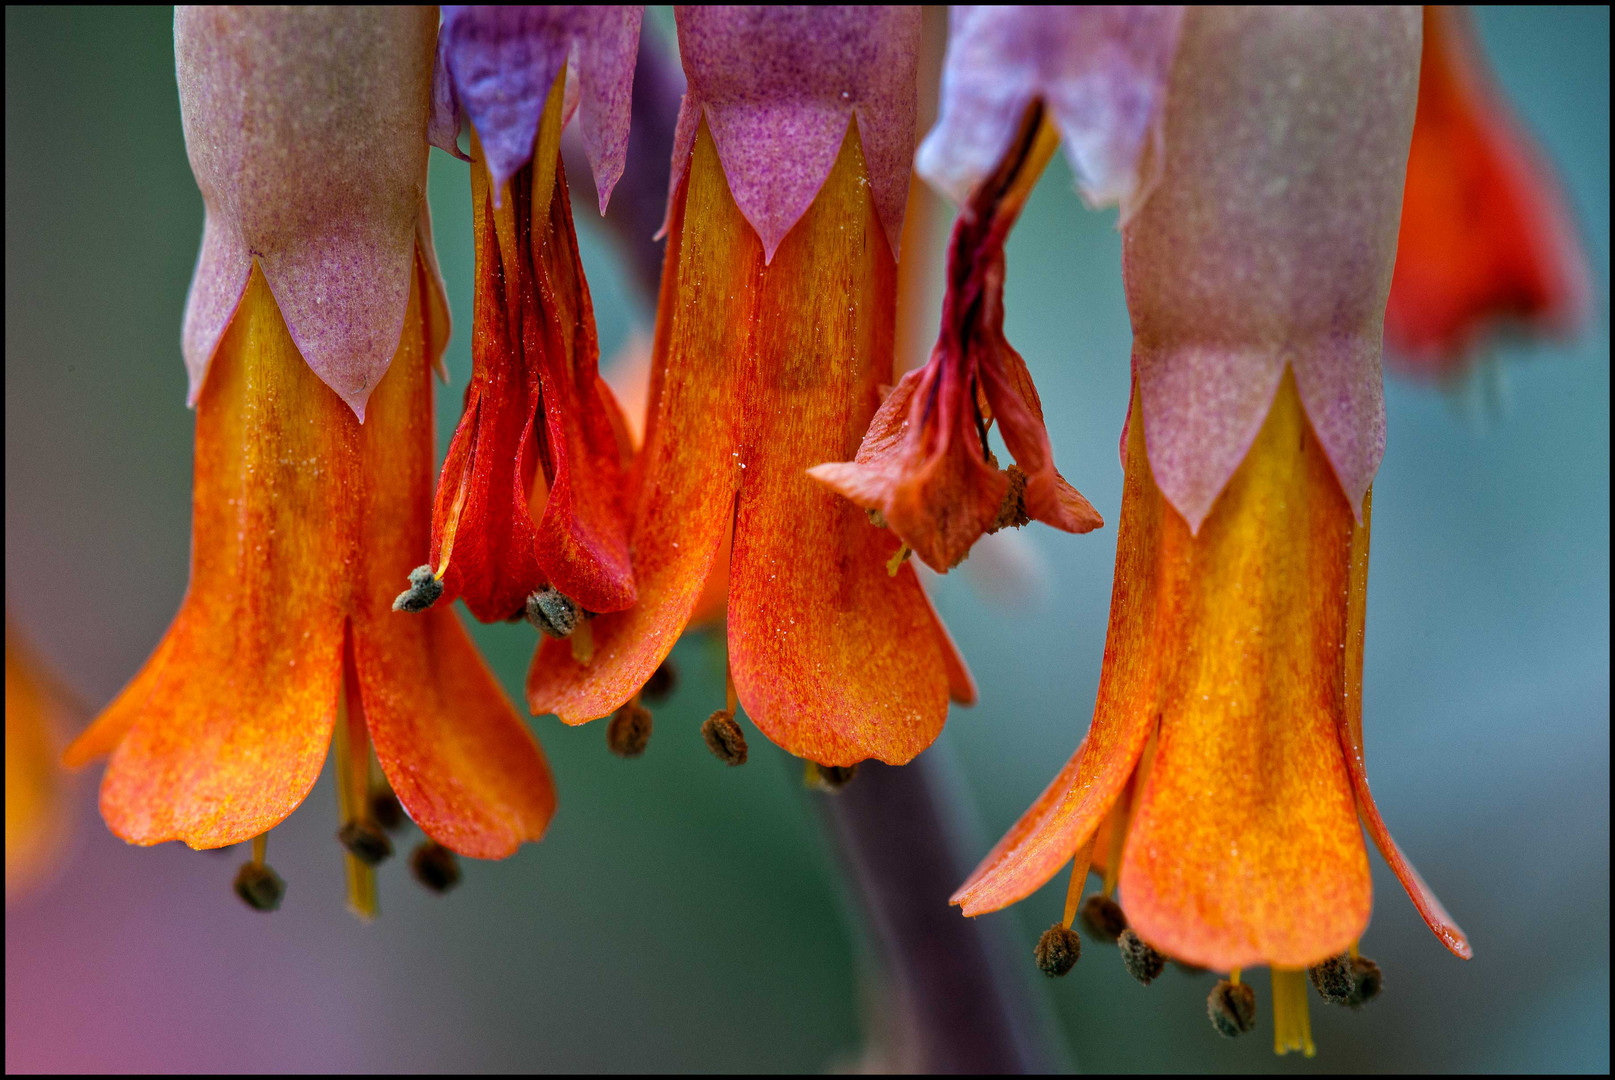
[(1079, 798), (306, 129), (456, 754), (228, 723), (833, 658), (1486, 236), (689, 468), (497, 63), (777, 87), (1285, 136), (1100, 69), (532, 490), (1245, 847), (1351, 740)]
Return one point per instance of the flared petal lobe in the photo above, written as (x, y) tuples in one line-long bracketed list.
[(1487, 238), (1100, 70), (303, 522), (1285, 136), (306, 129), (924, 463), (497, 63), (762, 369), (777, 87)]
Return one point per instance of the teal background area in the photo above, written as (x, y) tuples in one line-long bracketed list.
[(682, 915)]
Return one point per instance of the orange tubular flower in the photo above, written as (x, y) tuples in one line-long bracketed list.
[(775, 333), (304, 517), (1487, 238), (1222, 782), (531, 496)]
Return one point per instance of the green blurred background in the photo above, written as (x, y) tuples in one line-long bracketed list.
[(682, 915)]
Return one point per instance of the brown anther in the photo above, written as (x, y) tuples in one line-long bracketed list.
[(1012, 511), (724, 738), (365, 841), (876, 518), (424, 590), (1057, 950), (830, 778), (385, 809), (662, 682), (629, 730), (1334, 979), (1142, 962), (555, 614), (259, 887), (1369, 982), (1103, 919), (1232, 1008), (435, 866)]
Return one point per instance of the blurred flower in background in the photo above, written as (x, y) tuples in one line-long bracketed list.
[(1490, 618)]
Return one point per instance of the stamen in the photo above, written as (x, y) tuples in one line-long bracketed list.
[(1232, 1007), (828, 778), (1102, 917), (629, 730), (1058, 951), (435, 866), (897, 560), (259, 887), (366, 841), (385, 809), (724, 738), (662, 682), (554, 614), (424, 590), (583, 641), (1334, 979), (1292, 1022), (1368, 979), (876, 518), (1141, 961), (1079, 876), (351, 747)]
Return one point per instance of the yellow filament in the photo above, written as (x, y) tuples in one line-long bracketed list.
[(1079, 876), (1351, 950), (1233, 976), (1292, 1023), (1120, 827), (896, 562), (452, 525), (582, 640), (353, 795), (730, 698), (260, 848)]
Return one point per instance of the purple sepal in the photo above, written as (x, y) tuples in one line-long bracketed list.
[(306, 130), (1270, 238), (1100, 70), (497, 64), (778, 87)]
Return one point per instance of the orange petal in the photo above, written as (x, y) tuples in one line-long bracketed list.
[(1487, 236), (532, 490), (1245, 848), (1077, 801), (1351, 739), (457, 755), (228, 723), (689, 468), (833, 658)]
